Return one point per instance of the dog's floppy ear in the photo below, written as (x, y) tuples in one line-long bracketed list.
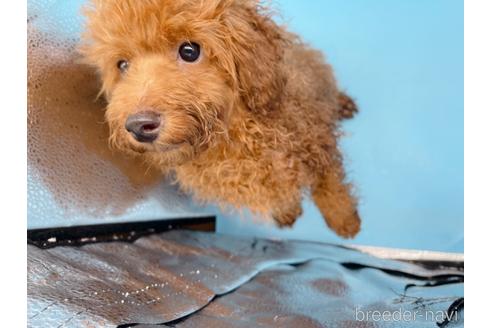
[(256, 44)]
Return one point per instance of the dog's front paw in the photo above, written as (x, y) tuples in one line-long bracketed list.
[(287, 218), (346, 227)]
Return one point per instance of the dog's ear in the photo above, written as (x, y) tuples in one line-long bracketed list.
[(256, 44)]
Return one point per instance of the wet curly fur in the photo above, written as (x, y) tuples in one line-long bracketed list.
[(253, 123)]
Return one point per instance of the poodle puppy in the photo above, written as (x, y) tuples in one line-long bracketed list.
[(237, 108)]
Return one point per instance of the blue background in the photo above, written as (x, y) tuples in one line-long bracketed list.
[(403, 63), (402, 60)]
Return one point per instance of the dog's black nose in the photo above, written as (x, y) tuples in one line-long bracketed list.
[(144, 126)]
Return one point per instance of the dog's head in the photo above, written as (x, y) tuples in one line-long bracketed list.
[(175, 71)]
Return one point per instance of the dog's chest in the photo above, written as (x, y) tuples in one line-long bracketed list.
[(233, 175)]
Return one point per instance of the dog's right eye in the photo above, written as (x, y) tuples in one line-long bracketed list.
[(122, 65), (189, 51)]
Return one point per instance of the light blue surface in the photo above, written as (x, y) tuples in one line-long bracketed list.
[(403, 63), (402, 60)]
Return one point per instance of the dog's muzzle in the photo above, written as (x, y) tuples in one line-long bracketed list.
[(144, 126)]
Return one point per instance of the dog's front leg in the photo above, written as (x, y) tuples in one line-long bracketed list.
[(285, 216), (336, 203)]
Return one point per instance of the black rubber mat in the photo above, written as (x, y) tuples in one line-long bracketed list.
[(200, 279)]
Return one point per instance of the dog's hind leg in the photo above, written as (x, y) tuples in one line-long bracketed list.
[(336, 204), (346, 106)]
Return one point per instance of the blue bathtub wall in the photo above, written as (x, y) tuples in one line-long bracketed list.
[(403, 63)]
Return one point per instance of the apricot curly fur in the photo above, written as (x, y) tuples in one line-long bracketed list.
[(253, 123)]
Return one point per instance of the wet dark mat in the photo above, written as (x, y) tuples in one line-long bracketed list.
[(198, 279)]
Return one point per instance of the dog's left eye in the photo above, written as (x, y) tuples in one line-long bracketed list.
[(189, 51), (122, 65)]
